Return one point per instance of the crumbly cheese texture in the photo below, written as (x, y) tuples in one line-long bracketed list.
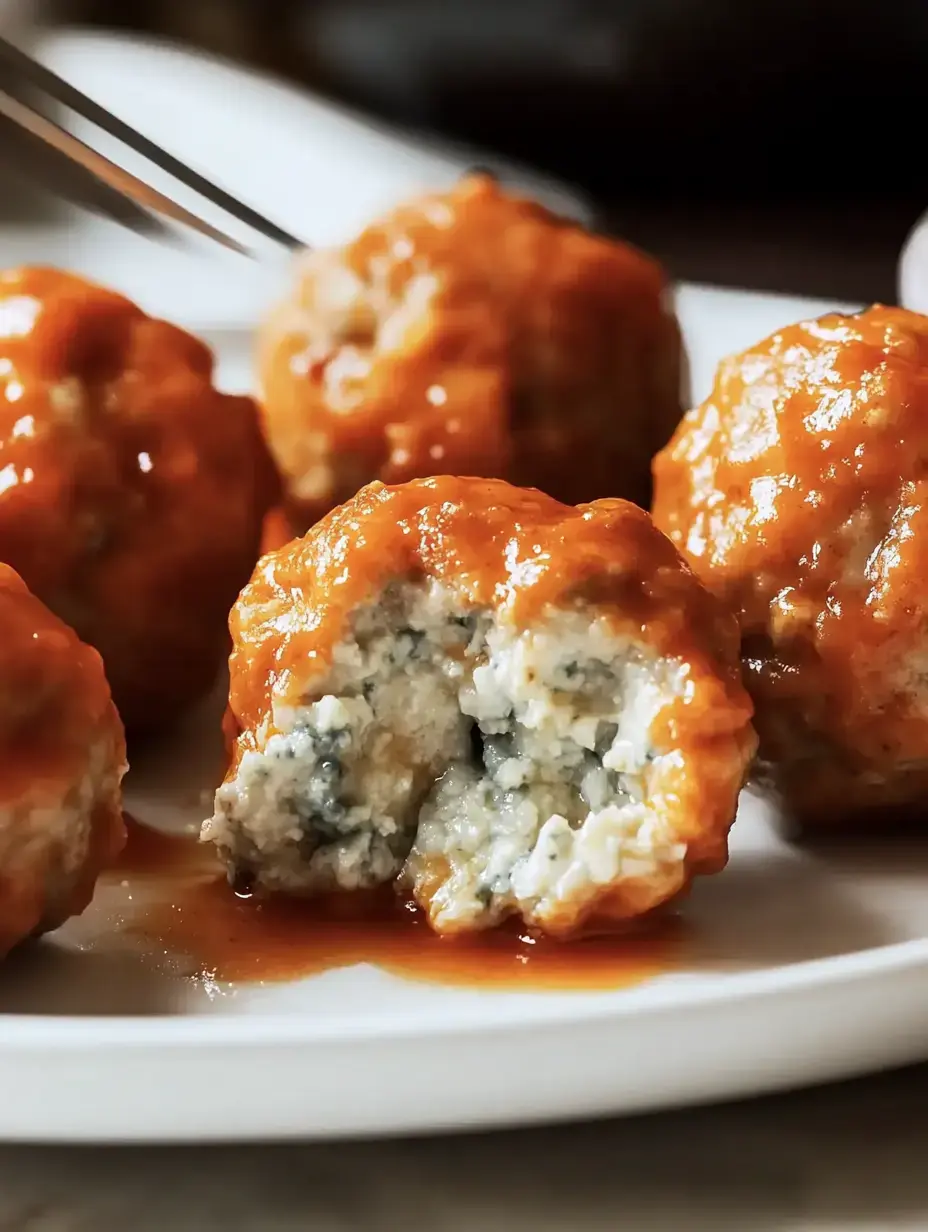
[(491, 771), (49, 842)]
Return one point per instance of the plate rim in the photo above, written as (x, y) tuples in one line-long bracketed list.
[(666, 995), (669, 993)]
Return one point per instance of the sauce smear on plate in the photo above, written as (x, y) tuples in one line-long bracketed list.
[(190, 909)]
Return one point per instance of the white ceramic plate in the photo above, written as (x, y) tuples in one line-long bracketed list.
[(800, 966), (317, 169)]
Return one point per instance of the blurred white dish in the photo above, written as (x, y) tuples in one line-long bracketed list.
[(913, 268), (801, 966), (318, 170)]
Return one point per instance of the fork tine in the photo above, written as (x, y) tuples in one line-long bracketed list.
[(63, 92), (116, 177), (26, 157)]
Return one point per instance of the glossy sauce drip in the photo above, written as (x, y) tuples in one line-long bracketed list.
[(195, 913)]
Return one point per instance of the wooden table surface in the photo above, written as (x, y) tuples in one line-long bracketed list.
[(850, 1157)]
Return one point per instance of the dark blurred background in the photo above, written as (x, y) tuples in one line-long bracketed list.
[(767, 143)]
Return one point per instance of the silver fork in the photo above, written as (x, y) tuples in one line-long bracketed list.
[(27, 87)]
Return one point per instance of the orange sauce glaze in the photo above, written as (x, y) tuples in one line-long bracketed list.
[(517, 552), (55, 709), (276, 531), (131, 490), (799, 493), (511, 549), (474, 333), (192, 911)]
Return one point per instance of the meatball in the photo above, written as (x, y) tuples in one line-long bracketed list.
[(62, 758), (509, 706), (799, 493), (470, 333), (131, 491)]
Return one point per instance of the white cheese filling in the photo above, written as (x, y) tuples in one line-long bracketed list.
[(493, 770)]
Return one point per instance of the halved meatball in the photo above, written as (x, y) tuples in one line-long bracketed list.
[(508, 705), (62, 758), (471, 333), (799, 493), (131, 491)]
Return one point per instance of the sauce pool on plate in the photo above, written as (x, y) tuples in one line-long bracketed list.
[(189, 909)]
